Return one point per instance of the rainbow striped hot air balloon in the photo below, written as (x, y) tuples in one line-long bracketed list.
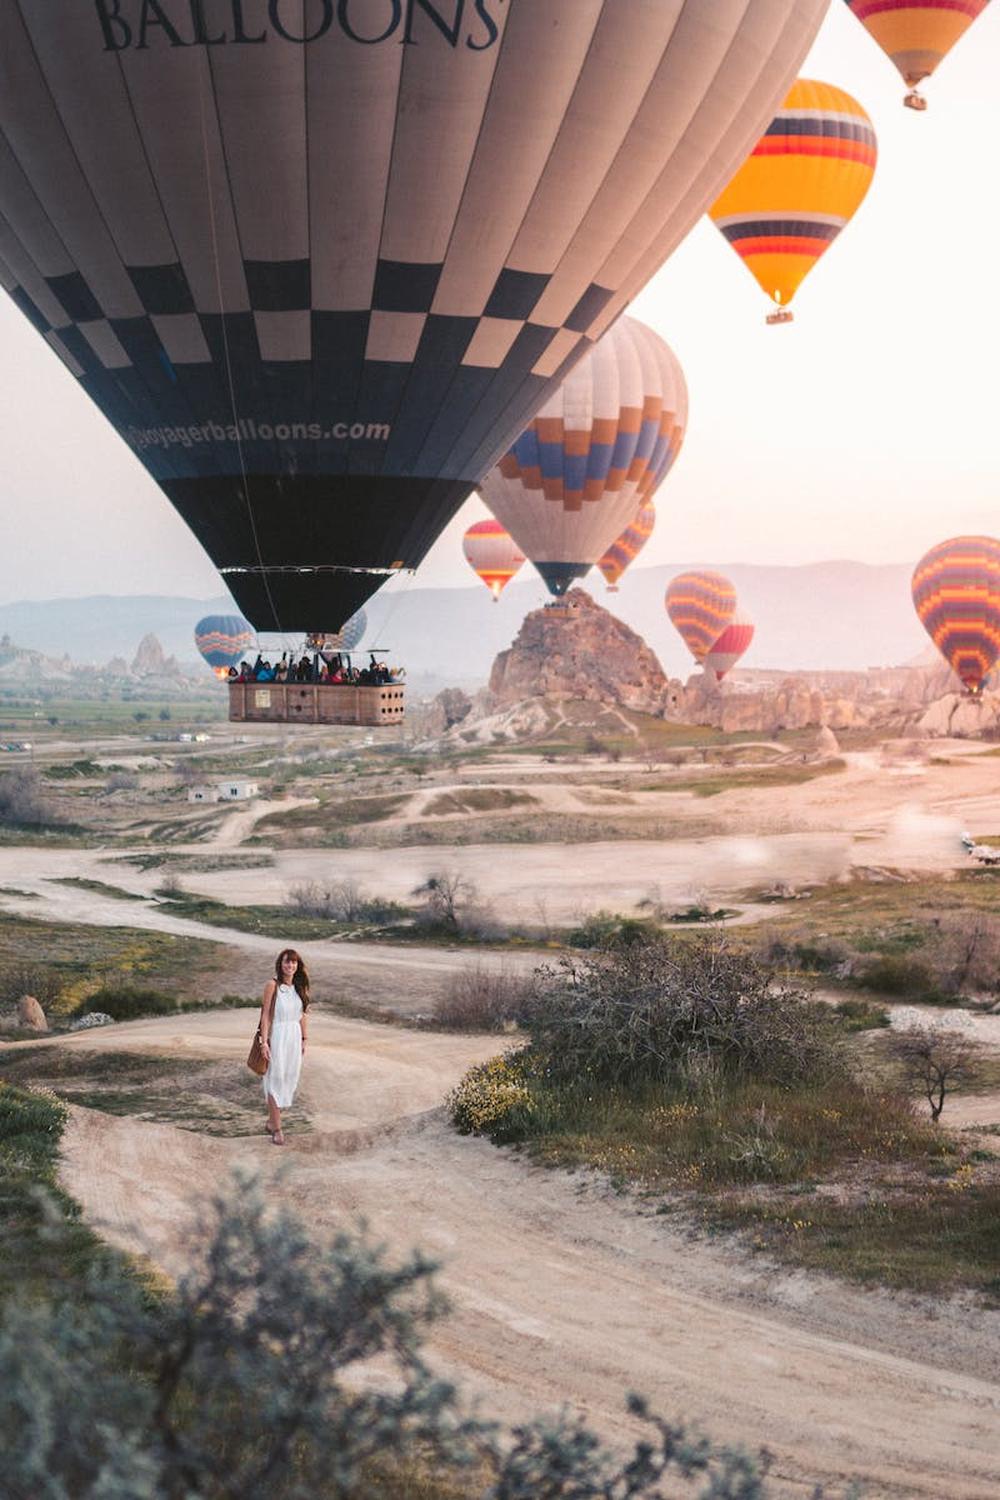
[(731, 645), (916, 34), (804, 180), (956, 593), (623, 552), (223, 641), (700, 606), (578, 474), (493, 555)]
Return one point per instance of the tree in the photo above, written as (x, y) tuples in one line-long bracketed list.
[(446, 893), (934, 1062)]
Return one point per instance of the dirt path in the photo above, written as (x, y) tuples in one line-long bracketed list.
[(405, 977), (240, 825), (563, 1293)]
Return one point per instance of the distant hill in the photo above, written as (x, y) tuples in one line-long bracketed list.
[(832, 615)]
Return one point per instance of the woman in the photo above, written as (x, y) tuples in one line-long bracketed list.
[(283, 1031)]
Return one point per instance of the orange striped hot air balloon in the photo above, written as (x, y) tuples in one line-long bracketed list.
[(732, 644), (623, 553), (916, 34), (700, 606), (804, 180), (956, 593), (493, 555)]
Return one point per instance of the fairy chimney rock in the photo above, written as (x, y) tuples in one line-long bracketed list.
[(577, 649)]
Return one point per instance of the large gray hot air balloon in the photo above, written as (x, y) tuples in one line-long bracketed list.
[(319, 261), (578, 474)]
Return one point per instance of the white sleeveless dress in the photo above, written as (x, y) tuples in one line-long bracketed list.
[(282, 1077)]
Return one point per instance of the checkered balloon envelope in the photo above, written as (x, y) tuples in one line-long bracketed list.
[(320, 264)]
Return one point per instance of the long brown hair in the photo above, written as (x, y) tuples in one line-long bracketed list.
[(300, 978)]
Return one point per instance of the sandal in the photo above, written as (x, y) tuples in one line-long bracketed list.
[(277, 1139)]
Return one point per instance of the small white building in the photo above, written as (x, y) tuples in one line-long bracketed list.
[(224, 791), (203, 794), (237, 791)]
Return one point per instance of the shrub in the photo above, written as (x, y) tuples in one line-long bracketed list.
[(658, 1010), (479, 998), (125, 1003), (345, 901), (450, 906), (39, 980), (899, 975), (492, 1098), (966, 953), (220, 1389), (24, 802), (862, 1015), (170, 888), (603, 929), (122, 781)]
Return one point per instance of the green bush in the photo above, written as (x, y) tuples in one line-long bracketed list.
[(862, 1015), (671, 1011), (901, 976), (123, 1003), (604, 929)]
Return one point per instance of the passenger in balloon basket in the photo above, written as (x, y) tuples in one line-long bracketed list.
[(283, 1034)]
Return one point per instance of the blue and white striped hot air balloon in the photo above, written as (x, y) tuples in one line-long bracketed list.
[(223, 640)]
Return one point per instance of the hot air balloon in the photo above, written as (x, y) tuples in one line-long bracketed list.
[(733, 643), (623, 552), (575, 477), (348, 638), (700, 606), (804, 180), (916, 34), (493, 555), (319, 264), (956, 593), (223, 641)]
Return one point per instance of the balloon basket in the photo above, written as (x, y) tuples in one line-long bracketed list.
[(915, 100), (783, 315)]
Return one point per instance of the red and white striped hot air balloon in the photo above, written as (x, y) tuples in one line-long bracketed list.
[(493, 555), (731, 645)]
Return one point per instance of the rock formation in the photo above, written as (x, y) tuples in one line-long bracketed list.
[(30, 1014), (149, 660), (577, 649)]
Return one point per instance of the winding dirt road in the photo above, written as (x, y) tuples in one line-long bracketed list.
[(563, 1293)]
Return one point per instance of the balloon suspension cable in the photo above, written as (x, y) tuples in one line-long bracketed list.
[(915, 100)]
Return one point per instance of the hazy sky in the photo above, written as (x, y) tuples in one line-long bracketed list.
[(866, 429)]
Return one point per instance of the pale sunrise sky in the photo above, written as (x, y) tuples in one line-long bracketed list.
[(867, 429)]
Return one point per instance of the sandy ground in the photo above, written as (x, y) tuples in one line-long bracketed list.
[(564, 1294)]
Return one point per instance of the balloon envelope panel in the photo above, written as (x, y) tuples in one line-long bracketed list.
[(223, 641), (318, 265), (804, 180), (576, 477), (916, 34), (700, 606), (956, 593)]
